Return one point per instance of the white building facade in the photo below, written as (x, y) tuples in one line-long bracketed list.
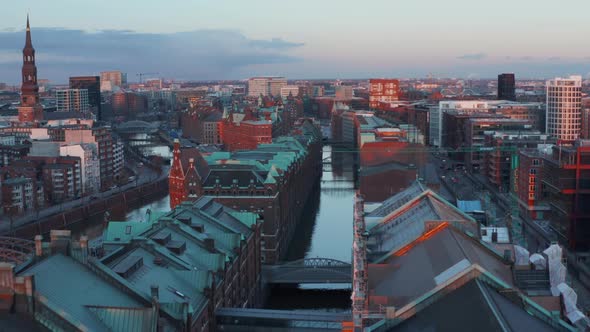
[(89, 164), (266, 86), (287, 90), (72, 100), (564, 106)]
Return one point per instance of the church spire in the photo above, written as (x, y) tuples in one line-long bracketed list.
[(28, 42)]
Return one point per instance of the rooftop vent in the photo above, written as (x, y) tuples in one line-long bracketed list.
[(198, 227), (184, 220), (128, 265), (162, 238), (177, 247), (210, 244)]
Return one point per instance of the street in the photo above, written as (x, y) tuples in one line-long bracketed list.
[(144, 175)]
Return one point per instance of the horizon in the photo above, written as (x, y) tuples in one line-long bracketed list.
[(207, 40)]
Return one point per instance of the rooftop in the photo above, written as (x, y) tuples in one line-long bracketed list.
[(94, 297)]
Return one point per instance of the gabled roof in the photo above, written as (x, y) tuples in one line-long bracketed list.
[(428, 262), (396, 201), (477, 304), (180, 282), (408, 219)]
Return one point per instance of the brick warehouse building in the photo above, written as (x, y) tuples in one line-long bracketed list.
[(273, 180), (383, 90), (554, 185), (170, 272)]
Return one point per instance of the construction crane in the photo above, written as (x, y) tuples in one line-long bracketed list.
[(141, 75)]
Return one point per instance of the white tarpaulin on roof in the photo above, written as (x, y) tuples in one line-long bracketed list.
[(538, 261), (570, 298), (521, 255), (557, 271), (553, 253)]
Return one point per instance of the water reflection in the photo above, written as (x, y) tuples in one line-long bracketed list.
[(332, 227)]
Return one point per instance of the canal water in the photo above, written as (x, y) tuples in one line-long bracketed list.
[(325, 231)]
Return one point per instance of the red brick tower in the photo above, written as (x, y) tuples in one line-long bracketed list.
[(30, 110), (176, 178), (192, 182)]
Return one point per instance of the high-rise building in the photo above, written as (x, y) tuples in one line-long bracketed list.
[(343, 92), (92, 84), (287, 90), (564, 105), (585, 123), (506, 87), (266, 86), (129, 103), (30, 110), (383, 91), (72, 100), (111, 79)]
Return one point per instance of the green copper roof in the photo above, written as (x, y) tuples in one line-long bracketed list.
[(247, 218), (270, 179), (124, 231)]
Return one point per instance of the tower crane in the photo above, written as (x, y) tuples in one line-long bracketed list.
[(141, 75)]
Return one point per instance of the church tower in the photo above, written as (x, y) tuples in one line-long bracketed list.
[(30, 110)]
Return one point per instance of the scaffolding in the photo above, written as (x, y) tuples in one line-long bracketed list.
[(513, 219), (360, 266)]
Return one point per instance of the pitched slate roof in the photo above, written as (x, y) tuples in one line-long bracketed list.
[(474, 306), (406, 219), (68, 287)]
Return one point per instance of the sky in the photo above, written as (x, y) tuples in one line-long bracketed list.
[(236, 39)]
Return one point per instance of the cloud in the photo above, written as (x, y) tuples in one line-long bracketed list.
[(526, 58), (275, 43), (200, 54), (554, 58), (474, 56)]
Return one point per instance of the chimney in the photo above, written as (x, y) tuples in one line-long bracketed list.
[(38, 245), (84, 242), (154, 291), (84, 248)]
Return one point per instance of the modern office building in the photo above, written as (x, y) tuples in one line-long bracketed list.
[(343, 92), (111, 79), (287, 90), (383, 90), (72, 100), (128, 104), (92, 84), (266, 86), (506, 87), (564, 105)]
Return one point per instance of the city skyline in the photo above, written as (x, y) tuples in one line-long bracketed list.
[(206, 40)]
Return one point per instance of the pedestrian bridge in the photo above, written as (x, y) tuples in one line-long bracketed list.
[(16, 251), (309, 271), (245, 319)]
